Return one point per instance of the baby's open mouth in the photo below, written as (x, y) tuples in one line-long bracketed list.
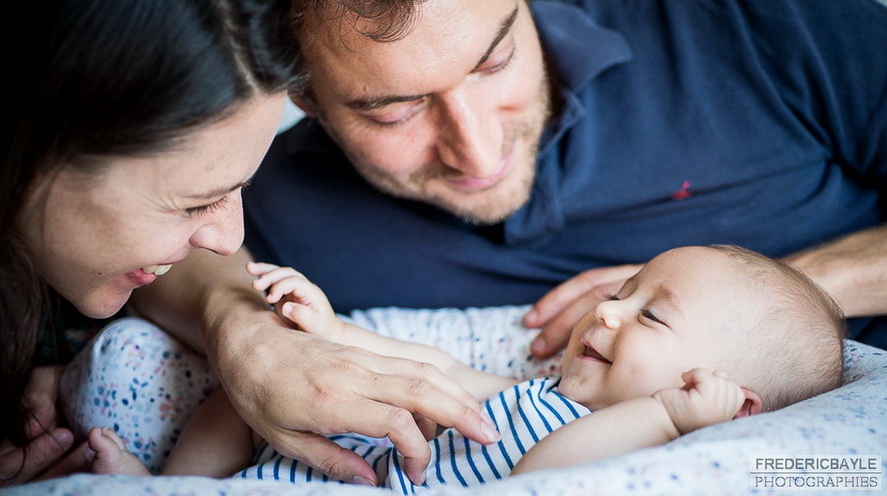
[(592, 353)]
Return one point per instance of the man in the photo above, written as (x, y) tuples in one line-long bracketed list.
[(466, 153)]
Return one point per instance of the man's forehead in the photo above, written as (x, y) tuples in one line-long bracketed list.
[(443, 43)]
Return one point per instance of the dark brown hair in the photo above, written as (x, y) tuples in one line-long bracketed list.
[(97, 79)]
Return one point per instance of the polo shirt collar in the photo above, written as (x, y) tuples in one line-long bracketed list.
[(577, 50)]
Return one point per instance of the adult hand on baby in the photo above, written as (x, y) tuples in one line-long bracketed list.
[(289, 386), (707, 398), (47, 442), (562, 307)]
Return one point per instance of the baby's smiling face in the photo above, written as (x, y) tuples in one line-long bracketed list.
[(681, 311)]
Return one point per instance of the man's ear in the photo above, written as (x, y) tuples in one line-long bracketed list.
[(304, 102), (751, 406)]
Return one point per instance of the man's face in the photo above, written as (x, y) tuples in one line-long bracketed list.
[(450, 114)]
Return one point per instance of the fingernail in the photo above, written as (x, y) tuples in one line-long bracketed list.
[(287, 309), (531, 317), (363, 481), (63, 438), (490, 432)]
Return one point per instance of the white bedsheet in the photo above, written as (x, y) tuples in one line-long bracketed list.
[(851, 420)]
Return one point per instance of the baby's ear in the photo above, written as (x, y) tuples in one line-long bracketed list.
[(751, 406)]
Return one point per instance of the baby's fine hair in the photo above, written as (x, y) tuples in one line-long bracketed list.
[(798, 343)]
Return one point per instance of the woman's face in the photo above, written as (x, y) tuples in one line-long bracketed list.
[(98, 235)]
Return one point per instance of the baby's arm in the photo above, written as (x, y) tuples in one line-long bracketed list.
[(707, 398), (301, 302)]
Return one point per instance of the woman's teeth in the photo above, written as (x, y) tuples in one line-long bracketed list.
[(157, 269)]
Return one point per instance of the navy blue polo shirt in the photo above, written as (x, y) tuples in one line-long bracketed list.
[(757, 123)]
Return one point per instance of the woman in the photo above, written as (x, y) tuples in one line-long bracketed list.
[(129, 130)]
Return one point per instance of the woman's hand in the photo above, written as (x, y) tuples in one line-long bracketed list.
[(47, 442), (562, 307), (292, 387)]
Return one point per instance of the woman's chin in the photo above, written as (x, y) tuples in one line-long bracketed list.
[(102, 305)]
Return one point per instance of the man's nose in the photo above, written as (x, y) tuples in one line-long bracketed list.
[(470, 138)]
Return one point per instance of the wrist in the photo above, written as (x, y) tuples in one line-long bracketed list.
[(666, 420), (228, 315)]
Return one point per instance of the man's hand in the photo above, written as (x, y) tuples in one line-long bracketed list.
[(707, 398), (291, 387), (562, 307)]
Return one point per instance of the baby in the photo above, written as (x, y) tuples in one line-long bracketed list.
[(700, 335)]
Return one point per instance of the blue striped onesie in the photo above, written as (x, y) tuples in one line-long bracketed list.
[(524, 414)]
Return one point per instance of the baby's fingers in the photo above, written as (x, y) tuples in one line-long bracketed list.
[(274, 276), (259, 268)]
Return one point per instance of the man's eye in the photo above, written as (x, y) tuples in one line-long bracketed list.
[(501, 65), (399, 113)]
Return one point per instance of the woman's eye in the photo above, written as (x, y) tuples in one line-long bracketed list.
[(212, 207)]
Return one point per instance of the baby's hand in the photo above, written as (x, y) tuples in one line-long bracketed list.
[(297, 299), (707, 398)]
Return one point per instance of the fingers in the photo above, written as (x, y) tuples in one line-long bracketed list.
[(427, 426), (41, 395), (400, 427), (556, 300), (561, 308), (78, 460), (555, 334), (268, 275), (328, 457), (284, 283), (41, 452)]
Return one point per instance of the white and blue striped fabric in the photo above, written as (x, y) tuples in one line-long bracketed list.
[(524, 414)]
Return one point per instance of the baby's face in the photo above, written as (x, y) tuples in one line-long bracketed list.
[(681, 311)]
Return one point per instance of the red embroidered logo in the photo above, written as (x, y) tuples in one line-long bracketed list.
[(683, 193)]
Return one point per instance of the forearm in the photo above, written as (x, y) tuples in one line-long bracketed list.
[(191, 300), (624, 427), (853, 269)]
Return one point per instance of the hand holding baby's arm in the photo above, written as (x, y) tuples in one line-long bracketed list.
[(707, 398), (298, 300)]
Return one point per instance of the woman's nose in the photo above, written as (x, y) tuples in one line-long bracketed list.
[(223, 233)]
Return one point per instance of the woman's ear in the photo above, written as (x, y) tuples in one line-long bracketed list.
[(751, 406)]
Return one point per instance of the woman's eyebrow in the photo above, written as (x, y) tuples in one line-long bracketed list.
[(219, 192)]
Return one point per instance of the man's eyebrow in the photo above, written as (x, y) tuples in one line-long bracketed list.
[(504, 28), (373, 103)]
